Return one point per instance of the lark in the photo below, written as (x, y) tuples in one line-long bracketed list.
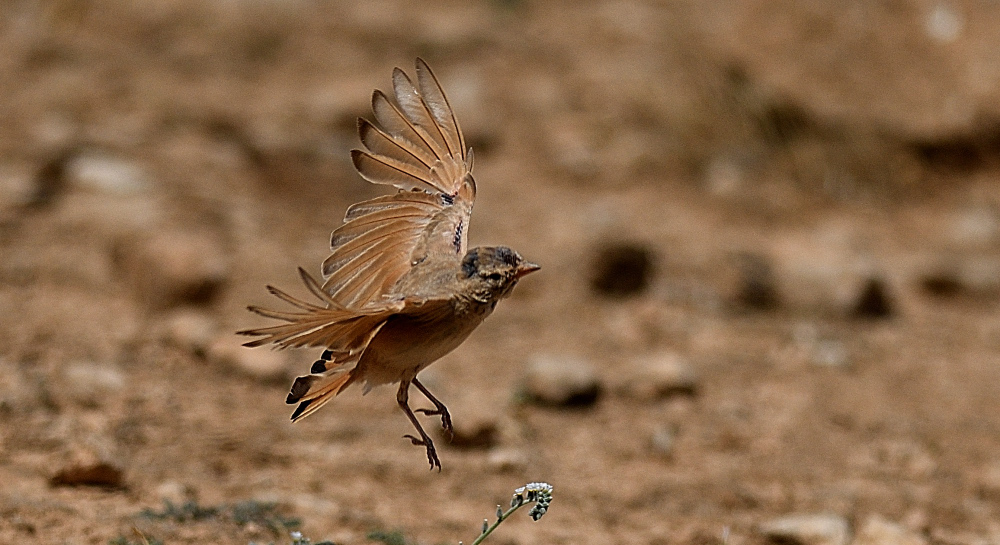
[(400, 288)]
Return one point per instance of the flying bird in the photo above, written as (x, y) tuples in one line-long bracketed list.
[(400, 288)]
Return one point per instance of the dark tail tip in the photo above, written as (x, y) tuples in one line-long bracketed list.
[(299, 388), (300, 409)]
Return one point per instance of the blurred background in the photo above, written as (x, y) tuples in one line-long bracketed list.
[(769, 232)]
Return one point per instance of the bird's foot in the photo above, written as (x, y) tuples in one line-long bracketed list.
[(426, 442), (446, 425)]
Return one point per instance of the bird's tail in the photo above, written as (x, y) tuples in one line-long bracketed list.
[(344, 333), (313, 391)]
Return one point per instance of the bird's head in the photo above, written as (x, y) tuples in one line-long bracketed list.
[(494, 271)]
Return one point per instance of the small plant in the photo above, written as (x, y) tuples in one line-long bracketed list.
[(263, 513), (538, 493), (299, 539), (388, 537), (189, 511), (122, 540)]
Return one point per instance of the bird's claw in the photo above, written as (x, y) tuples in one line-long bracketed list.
[(426, 442), (446, 424)]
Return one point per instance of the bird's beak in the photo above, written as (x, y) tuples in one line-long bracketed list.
[(526, 268)]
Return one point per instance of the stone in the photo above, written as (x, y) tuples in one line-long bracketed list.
[(879, 531), (977, 277), (269, 366), (560, 380), (658, 376), (474, 431), (989, 482), (944, 23), (830, 353), (174, 492), (873, 301), (174, 267), (18, 392), (190, 329), (621, 270), (756, 285), (507, 460), (662, 441), (90, 462), (108, 174), (807, 529), (90, 384)]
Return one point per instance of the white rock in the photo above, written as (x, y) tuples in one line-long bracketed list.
[(507, 460), (561, 380), (662, 441), (106, 173), (943, 23), (808, 529), (190, 329), (90, 384), (879, 531), (174, 492), (831, 353), (658, 375)]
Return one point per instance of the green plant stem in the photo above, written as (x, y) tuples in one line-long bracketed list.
[(500, 519)]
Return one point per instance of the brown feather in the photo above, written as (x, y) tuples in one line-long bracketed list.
[(418, 114), (436, 101), (329, 389), (380, 143), (396, 124), (386, 171)]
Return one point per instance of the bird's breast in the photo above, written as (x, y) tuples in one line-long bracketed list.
[(407, 344)]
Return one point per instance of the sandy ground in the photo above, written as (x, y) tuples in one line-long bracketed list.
[(770, 233)]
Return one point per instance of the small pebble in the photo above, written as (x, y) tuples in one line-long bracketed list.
[(475, 433), (507, 460), (974, 277), (757, 286), (190, 329), (662, 441), (105, 173), (172, 268), (174, 492), (989, 482), (90, 466), (622, 270), (873, 301), (91, 384), (808, 529), (879, 531), (561, 381), (475, 422), (830, 353), (658, 376)]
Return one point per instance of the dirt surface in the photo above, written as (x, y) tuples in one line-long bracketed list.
[(769, 232)]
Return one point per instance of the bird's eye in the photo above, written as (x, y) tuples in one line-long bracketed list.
[(494, 277)]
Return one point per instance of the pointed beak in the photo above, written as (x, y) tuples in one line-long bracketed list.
[(526, 268)]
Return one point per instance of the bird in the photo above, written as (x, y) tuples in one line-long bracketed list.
[(400, 287)]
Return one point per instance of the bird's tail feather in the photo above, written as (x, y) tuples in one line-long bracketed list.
[(313, 391)]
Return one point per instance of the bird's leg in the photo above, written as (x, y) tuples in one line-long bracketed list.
[(439, 410), (402, 396)]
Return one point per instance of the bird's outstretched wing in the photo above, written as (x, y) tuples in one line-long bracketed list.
[(418, 147)]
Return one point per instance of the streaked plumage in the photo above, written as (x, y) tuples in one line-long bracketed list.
[(401, 288)]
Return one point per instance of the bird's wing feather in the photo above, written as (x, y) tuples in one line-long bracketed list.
[(342, 331), (419, 149)]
